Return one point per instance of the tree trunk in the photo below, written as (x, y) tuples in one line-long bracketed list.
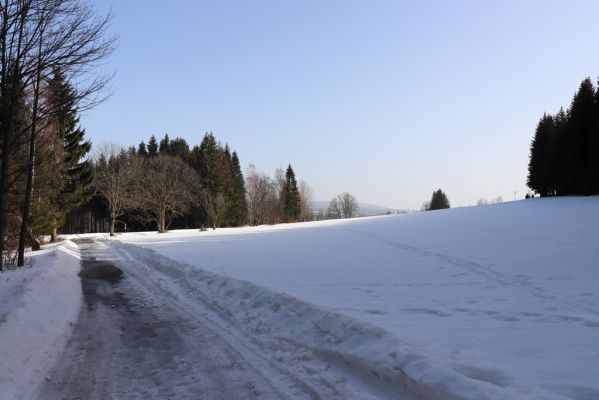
[(30, 167), (54, 235), (112, 220), (161, 221), (33, 241)]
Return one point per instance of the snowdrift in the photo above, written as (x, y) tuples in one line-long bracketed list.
[(39, 306)]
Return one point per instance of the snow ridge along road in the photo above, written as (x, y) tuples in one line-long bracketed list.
[(131, 342)]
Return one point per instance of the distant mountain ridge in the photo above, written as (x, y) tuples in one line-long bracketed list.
[(364, 208)]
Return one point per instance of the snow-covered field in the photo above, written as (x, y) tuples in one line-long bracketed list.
[(39, 305), (497, 301)]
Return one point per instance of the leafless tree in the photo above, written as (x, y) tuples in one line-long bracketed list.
[(348, 205), (306, 197), (482, 202), (214, 204), (164, 186), (114, 177), (38, 37), (261, 196), (334, 210)]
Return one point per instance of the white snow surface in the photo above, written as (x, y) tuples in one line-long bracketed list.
[(497, 302), (39, 305)]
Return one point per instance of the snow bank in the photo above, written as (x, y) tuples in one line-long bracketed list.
[(39, 306)]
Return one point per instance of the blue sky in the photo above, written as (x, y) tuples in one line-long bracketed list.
[(388, 100)]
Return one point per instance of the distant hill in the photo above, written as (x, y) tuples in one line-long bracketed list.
[(365, 208)]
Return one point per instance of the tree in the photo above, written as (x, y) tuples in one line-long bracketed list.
[(306, 195), (142, 150), (343, 205), (164, 186), (114, 177), (76, 172), (36, 39), (239, 208), (152, 147), (334, 209), (539, 178), (291, 200), (439, 200), (164, 147), (348, 205), (261, 195)]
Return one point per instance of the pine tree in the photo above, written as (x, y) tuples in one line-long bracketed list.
[(291, 199), (580, 130), (164, 147), (152, 147), (75, 172), (439, 200), (142, 151), (238, 202), (593, 147), (539, 178)]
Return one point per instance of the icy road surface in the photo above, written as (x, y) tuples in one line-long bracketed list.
[(131, 343)]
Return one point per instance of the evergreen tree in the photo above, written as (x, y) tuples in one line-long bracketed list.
[(539, 178), (580, 130), (240, 211), (179, 148), (291, 198), (76, 172), (152, 147), (439, 200), (164, 147), (593, 147), (142, 151)]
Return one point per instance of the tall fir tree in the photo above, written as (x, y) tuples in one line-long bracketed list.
[(240, 211), (152, 147), (164, 147), (76, 171), (580, 130), (142, 150), (291, 199), (539, 178)]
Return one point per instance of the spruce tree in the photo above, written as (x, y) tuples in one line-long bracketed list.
[(439, 200), (152, 147), (142, 151), (291, 199), (164, 147), (76, 171), (539, 178), (239, 202), (580, 130)]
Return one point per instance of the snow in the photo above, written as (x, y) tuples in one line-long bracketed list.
[(497, 301), (39, 305)]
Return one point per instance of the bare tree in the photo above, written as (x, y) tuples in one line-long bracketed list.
[(261, 197), (38, 37), (164, 186), (426, 206), (114, 172), (334, 210), (214, 204), (348, 205), (306, 197)]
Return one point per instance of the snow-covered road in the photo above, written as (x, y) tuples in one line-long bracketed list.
[(136, 339)]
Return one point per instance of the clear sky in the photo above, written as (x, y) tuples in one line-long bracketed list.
[(387, 100)]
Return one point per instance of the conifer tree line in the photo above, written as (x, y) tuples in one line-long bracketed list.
[(564, 153), (49, 54)]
